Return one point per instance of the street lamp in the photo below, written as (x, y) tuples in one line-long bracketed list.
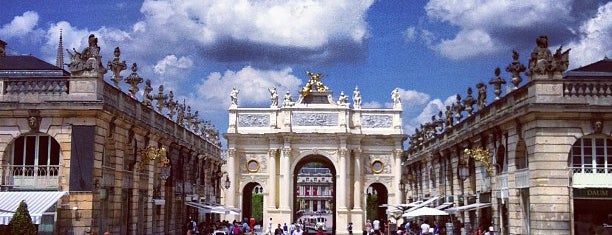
[(464, 172), (227, 181), (402, 187)]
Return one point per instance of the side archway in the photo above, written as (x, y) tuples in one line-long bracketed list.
[(252, 202)]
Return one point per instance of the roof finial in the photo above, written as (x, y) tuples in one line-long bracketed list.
[(59, 60)]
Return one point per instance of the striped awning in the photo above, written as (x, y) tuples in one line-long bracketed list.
[(38, 203)]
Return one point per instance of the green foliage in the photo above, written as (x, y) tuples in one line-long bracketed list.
[(372, 207), (257, 206), (21, 223)]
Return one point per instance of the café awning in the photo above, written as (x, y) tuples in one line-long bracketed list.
[(38, 204), (425, 203), (469, 207)]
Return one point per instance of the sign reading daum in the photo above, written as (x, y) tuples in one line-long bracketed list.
[(593, 192)]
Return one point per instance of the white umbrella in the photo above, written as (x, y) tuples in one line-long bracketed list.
[(424, 211)]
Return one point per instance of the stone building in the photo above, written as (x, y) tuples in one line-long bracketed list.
[(537, 160), (88, 158), (267, 147)]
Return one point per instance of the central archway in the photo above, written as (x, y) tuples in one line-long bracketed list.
[(314, 200)]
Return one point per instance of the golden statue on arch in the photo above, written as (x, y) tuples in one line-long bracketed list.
[(314, 83)]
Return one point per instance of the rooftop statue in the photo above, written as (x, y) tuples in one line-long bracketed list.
[(273, 97), (314, 84), (469, 101), (482, 95), (356, 98), (540, 56), (288, 101), (397, 101), (234, 96), (543, 62), (343, 99), (88, 62)]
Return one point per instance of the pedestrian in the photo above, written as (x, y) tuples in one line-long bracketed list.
[(368, 227), (376, 225), (285, 229), (270, 227), (425, 228), (298, 230), (278, 230)]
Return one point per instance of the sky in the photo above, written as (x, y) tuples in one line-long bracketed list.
[(429, 50)]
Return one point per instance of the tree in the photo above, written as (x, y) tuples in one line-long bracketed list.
[(21, 223), (257, 206)]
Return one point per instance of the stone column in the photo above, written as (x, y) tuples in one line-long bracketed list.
[(285, 170), (357, 191), (342, 172), (397, 175), (231, 191), (272, 180)]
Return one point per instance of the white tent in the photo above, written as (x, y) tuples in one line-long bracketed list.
[(424, 211)]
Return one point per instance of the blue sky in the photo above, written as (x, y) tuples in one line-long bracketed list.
[(430, 50)]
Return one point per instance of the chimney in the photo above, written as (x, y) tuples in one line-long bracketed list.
[(2, 48)]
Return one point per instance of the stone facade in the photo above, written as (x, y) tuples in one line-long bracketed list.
[(361, 146), (126, 168), (532, 136)]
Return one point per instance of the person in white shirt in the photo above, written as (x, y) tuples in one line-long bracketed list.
[(376, 225), (425, 228), (298, 230), (491, 231)]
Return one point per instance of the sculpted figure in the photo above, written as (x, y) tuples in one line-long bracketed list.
[(343, 99), (288, 101), (482, 95), (273, 97), (395, 96), (356, 98), (147, 97), (540, 56), (234, 96)]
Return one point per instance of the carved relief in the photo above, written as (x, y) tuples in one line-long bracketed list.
[(376, 121), (315, 119), (253, 120)]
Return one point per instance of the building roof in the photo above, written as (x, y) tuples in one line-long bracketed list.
[(599, 69), (604, 65), (27, 63), (24, 62)]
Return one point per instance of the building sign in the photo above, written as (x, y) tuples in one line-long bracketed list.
[(593, 193)]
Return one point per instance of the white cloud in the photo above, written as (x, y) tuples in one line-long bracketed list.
[(497, 13), (595, 39), (20, 25), (213, 92), (467, 44), (371, 105), (410, 34), (488, 27), (171, 62), (308, 24)]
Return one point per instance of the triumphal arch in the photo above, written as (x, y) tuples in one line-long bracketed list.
[(267, 146)]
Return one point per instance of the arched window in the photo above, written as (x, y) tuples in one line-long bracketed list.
[(35, 161), (592, 154)]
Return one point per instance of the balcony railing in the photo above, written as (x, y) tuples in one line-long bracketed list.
[(591, 176), (521, 178), (30, 176), (502, 181)]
